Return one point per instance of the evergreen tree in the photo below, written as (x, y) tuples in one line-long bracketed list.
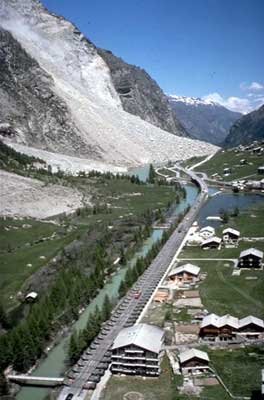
[(122, 289), (106, 308), (151, 177), (122, 256), (73, 351), (3, 317), (3, 385)]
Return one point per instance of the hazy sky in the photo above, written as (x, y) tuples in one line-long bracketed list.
[(195, 48)]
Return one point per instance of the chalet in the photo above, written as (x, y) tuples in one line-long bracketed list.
[(262, 184), (230, 235), (211, 243), (243, 161), (227, 171), (187, 273), (193, 360), (137, 350), (214, 327), (31, 297), (261, 170), (227, 327), (207, 232), (251, 327), (250, 258)]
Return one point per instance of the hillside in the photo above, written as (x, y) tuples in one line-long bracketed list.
[(57, 95), (140, 94), (247, 129), (202, 119)]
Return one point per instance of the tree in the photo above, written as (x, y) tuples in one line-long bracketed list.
[(235, 212), (122, 289), (122, 256), (151, 177), (106, 308), (3, 317), (73, 351), (3, 385)]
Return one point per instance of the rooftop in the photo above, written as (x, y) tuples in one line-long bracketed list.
[(208, 228), (148, 337), (193, 353), (190, 268), (212, 240), (251, 320), (251, 251), (231, 230)]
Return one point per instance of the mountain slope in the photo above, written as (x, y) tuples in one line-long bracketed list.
[(58, 95), (140, 94), (247, 129), (203, 120)]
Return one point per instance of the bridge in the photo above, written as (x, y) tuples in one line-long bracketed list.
[(94, 362), (36, 380)]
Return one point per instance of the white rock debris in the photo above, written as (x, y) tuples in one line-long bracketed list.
[(82, 80), (28, 197)]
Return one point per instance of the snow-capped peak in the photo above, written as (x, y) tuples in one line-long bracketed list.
[(194, 101)]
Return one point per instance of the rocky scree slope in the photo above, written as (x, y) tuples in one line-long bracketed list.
[(203, 120), (247, 129), (140, 94), (58, 95)]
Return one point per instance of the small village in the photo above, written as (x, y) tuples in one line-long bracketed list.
[(189, 335)]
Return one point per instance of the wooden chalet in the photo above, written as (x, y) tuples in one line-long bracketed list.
[(193, 361), (250, 258)]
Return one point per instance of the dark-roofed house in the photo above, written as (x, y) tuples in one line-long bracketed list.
[(187, 273), (251, 327), (137, 350), (193, 360), (230, 236), (227, 327), (215, 327), (31, 297), (250, 258), (211, 243)]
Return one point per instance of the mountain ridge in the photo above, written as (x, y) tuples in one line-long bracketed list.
[(203, 119), (248, 128)]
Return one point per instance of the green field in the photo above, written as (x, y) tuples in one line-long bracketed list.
[(22, 241), (231, 159), (239, 369), (13, 263), (222, 293), (192, 161)]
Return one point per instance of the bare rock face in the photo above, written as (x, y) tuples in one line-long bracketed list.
[(31, 112), (140, 94)]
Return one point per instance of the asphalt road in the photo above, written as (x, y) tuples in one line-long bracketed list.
[(96, 359)]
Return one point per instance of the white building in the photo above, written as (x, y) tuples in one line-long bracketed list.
[(207, 232), (137, 350)]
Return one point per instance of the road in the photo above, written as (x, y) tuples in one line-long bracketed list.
[(96, 359)]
